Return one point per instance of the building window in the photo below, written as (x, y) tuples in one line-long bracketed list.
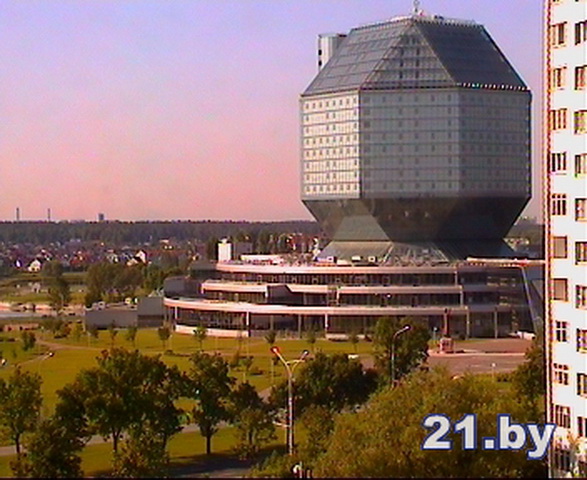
[(582, 384), (558, 119), (562, 459), (561, 373), (581, 296), (581, 340), (558, 204), (560, 289), (562, 416), (580, 32), (581, 164), (580, 252), (559, 247), (558, 162), (582, 426), (581, 121), (558, 34), (581, 209), (580, 77), (560, 331), (558, 77)]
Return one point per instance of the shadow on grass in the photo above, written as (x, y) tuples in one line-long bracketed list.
[(218, 464)]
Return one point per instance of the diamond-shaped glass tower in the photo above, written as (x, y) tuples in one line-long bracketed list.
[(416, 135)]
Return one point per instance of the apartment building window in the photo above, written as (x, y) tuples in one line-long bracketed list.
[(580, 77), (581, 340), (581, 296), (561, 373), (558, 119), (580, 32), (562, 416), (582, 426), (581, 209), (560, 289), (582, 384), (558, 204), (562, 459), (558, 77), (559, 247), (560, 331), (580, 252), (558, 162), (581, 164), (580, 121), (558, 34)]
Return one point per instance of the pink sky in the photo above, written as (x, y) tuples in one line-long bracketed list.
[(183, 109)]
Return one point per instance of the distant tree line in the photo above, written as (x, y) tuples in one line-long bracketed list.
[(117, 232)]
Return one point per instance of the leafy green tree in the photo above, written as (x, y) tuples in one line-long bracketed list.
[(247, 363), (333, 381), (53, 451), (318, 422), (270, 337), (20, 405), (388, 432), (354, 339), (252, 418), (93, 331), (51, 270), (77, 332), (529, 379), (28, 340), (142, 456), (200, 334), (209, 386), (311, 338), (59, 294), (131, 334), (112, 332), (164, 333), (127, 392), (411, 347)]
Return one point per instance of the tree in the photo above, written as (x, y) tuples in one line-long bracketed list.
[(127, 392), (20, 404), (113, 332), (131, 334), (93, 331), (270, 337), (252, 418), (59, 294), (333, 381), (209, 386), (164, 333), (28, 340), (354, 339), (142, 456), (411, 347), (318, 421), (311, 338), (200, 334), (52, 452), (247, 362), (392, 422), (77, 332), (529, 379)]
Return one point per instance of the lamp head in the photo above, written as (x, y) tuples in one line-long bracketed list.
[(274, 350)]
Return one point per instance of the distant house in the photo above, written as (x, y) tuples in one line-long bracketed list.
[(35, 266), (138, 258)]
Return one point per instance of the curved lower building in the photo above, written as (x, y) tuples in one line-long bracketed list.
[(462, 299)]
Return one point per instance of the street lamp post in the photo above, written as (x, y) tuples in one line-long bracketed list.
[(290, 366), (392, 363)]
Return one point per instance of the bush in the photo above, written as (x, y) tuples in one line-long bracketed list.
[(235, 361), (255, 370)]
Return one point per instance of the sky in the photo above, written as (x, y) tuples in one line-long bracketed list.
[(179, 110)]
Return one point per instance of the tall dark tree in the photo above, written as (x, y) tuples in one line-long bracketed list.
[(410, 347), (126, 393), (209, 387), (20, 405)]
